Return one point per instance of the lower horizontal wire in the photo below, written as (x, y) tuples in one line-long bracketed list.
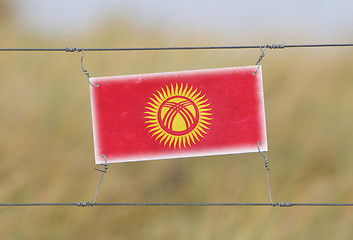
[(84, 204), (183, 204)]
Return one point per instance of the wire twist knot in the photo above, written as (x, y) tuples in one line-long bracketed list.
[(283, 204), (68, 49), (105, 164), (84, 204), (276, 46), (263, 154), (267, 164)]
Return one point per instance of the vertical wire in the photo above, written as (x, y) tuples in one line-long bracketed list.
[(268, 184), (263, 154), (103, 172)]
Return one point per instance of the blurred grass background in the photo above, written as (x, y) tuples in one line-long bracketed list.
[(47, 146)]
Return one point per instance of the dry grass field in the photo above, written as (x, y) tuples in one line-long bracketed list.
[(46, 145)]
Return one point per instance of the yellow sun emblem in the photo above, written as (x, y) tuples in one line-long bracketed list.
[(178, 115)]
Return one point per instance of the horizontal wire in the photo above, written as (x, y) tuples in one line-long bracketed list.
[(85, 204), (35, 204), (273, 46)]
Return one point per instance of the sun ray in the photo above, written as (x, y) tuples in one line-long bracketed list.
[(171, 141), (157, 98), (204, 122), (193, 138), (206, 111), (151, 113), (152, 109), (155, 101), (153, 105), (203, 126), (195, 96), (163, 137), (188, 93), (198, 132), (186, 88), (164, 94), (157, 132), (188, 139), (160, 135), (197, 100), (161, 96), (167, 139), (205, 118), (152, 123), (150, 117), (181, 90), (200, 129), (168, 92), (156, 126), (195, 135), (201, 102), (204, 105)]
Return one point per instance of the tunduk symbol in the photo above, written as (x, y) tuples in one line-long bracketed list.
[(178, 115)]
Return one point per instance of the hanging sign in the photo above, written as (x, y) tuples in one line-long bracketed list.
[(178, 114)]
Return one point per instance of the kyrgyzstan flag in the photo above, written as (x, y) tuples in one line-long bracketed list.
[(178, 114)]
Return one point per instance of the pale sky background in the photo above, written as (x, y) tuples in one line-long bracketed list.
[(313, 20)]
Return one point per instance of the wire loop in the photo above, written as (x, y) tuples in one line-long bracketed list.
[(263, 48), (83, 69), (260, 59)]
